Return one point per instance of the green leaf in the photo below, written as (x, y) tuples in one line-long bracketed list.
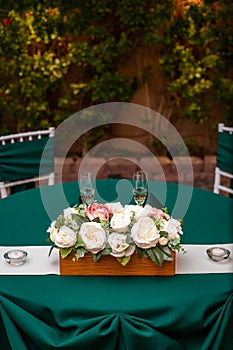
[(163, 234), (79, 242), (104, 224), (164, 249), (124, 260), (129, 240), (106, 251), (139, 252), (65, 252), (155, 255), (96, 220), (166, 253), (79, 219), (97, 256)]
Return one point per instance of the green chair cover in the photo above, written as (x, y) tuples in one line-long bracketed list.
[(21, 160), (225, 152)]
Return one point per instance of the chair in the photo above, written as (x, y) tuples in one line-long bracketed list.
[(224, 161), (26, 158)]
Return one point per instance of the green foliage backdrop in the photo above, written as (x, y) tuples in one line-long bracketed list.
[(57, 57)]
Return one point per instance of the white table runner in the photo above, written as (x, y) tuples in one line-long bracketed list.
[(38, 262), (194, 261)]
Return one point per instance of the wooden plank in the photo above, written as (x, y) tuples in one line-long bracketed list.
[(109, 266)]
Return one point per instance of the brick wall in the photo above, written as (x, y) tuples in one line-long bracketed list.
[(163, 169)]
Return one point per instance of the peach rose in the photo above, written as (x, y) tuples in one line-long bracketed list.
[(96, 210)]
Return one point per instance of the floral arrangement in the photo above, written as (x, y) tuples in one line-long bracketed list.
[(120, 231)]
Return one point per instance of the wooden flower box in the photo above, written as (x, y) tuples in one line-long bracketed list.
[(109, 266)]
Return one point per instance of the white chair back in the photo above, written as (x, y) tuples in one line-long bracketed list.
[(224, 161)]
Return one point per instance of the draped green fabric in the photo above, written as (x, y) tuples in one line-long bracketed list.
[(22, 160), (115, 313), (225, 152)]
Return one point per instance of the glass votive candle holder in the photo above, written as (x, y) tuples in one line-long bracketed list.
[(218, 253), (16, 257)]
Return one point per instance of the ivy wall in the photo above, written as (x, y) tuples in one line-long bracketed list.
[(57, 57)]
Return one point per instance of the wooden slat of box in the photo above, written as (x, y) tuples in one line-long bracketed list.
[(109, 266)]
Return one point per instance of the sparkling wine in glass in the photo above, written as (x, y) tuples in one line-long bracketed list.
[(86, 187), (140, 187)]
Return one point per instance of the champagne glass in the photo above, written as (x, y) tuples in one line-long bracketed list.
[(86, 187), (140, 187)]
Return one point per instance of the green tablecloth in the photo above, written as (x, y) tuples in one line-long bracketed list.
[(57, 312)]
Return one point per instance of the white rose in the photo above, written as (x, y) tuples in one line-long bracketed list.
[(174, 229), (114, 206), (146, 211), (53, 231), (134, 209), (68, 211), (144, 233), (139, 210), (120, 248), (93, 236), (120, 221), (65, 237)]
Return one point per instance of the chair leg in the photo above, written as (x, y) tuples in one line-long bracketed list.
[(3, 190), (216, 181), (51, 179)]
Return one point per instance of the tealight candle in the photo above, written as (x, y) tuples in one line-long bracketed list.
[(16, 257), (218, 253)]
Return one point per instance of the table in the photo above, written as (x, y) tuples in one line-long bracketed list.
[(113, 313)]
